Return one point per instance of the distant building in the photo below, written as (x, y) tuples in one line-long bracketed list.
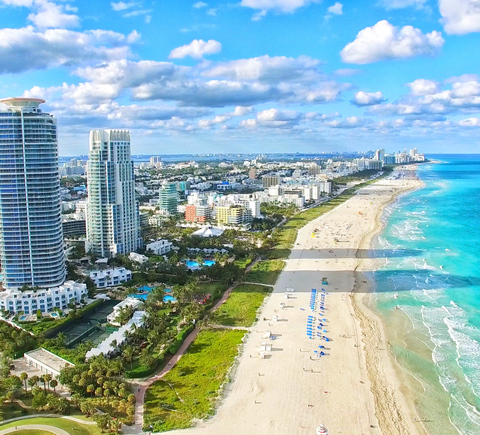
[(252, 174), (112, 214), (74, 227), (128, 302), (156, 162), (137, 258), (271, 180), (168, 198), (197, 213), (233, 215), (160, 247), (110, 277)]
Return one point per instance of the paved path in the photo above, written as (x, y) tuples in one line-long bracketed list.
[(141, 387), (44, 427)]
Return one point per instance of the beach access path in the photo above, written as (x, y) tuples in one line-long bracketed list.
[(291, 391)]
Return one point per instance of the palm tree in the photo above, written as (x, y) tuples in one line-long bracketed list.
[(53, 384), (48, 377), (128, 355), (24, 377), (33, 381)]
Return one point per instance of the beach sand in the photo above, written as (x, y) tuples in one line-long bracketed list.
[(354, 389)]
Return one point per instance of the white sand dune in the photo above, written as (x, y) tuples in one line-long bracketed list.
[(291, 391)]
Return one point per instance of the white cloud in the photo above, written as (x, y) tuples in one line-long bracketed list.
[(58, 47), (345, 72), (460, 17), (367, 98), (285, 6), (47, 14), (351, 122), (400, 4), (336, 9), (385, 41), (470, 122), (122, 6), (423, 87), (199, 5), (266, 68), (196, 49), (212, 12), (221, 119)]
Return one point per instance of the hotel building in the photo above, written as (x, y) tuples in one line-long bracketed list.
[(112, 213)]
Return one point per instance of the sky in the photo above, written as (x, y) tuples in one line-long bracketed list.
[(250, 76)]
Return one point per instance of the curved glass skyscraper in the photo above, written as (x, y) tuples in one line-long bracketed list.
[(112, 212), (31, 235)]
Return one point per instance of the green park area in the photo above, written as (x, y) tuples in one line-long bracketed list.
[(240, 309), (70, 426), (265, 272), (190, 389)]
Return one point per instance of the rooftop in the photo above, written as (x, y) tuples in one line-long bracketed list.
[(49, 359)]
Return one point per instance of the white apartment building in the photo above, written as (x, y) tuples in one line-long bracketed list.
[(137, 258), (110, 277), (160, 247), (127, 302), (29, 301), (113, 225)]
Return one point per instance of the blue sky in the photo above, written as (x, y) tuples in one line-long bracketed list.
[(250, 75)]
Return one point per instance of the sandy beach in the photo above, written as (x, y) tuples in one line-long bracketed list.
[(354, 388)]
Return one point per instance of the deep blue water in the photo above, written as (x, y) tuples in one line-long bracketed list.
[(434, 278)]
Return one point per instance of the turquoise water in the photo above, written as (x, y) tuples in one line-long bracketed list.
[(195, 265), (431, 246)]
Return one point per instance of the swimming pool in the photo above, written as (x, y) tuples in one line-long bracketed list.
[(169, 298), (194, 265)]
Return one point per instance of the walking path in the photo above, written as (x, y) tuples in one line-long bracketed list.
[(43, 427), (67, 417), (141, 387)]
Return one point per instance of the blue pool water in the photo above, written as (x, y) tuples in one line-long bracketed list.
[(195, 265), (431, 273), (143, 297), (169, 298)]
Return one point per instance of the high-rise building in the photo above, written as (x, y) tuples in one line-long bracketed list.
[(112, 214), (271, 180), (31, 236), (168, 198)]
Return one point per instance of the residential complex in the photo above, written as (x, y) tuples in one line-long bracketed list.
[(110, 277), (112, 214), (45, 300), (31, 236)]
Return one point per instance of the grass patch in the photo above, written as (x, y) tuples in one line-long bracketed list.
[(265, 272), (242, 305), (32, 432), (212, 288), (190, 389), (70, 426)]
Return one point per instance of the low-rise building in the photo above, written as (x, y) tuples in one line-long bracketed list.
[(137, 258), (160, 247), (110, 277), (46, 361), (45, 300), (128, 302)]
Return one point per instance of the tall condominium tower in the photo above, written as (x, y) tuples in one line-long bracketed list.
[(168, 198), (112, 211), (31, 237)]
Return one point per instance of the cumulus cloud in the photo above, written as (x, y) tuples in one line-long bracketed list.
[(400, 4), (122, 6), (351, 122), (273, 118), (470, 122), (196, 49), (266, 68), (199, 5), (460, 16), (221, 119), (367, 98), (59, 47), (283, 6), (423, 87), (384, 41), (336, 9)]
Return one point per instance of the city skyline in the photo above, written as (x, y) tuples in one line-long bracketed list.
[(249, 75)]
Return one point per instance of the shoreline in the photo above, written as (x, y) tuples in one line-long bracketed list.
[(395, 411), (291, 391)]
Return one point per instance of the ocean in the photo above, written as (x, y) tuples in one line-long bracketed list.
[(428, 293)]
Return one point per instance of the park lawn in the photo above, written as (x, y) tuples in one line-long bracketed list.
[(190, 389), (265, 272), (72, 427), (32, 432), (212, 288), (240, 309)]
